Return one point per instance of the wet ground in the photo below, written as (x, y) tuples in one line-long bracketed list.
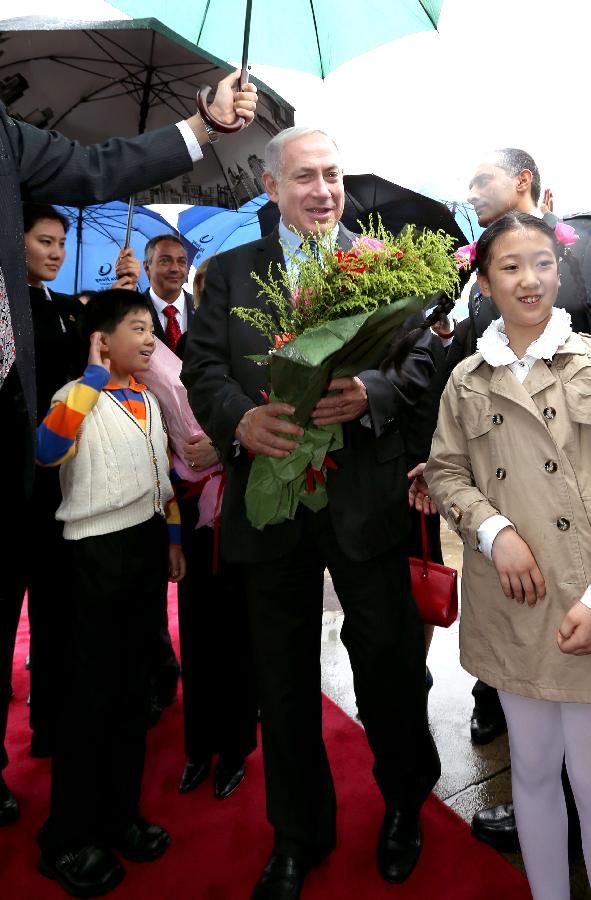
[(473, 777)]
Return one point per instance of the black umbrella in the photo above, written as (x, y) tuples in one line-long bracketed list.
[(90, 80), (397, 206)]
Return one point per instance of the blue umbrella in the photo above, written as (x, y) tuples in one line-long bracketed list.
[(94, 239), (216, 233)]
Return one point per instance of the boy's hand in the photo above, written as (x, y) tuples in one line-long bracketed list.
[(418, 492), (574, 634), (95, 358), (517, 569), (199, 452), (177, 566)]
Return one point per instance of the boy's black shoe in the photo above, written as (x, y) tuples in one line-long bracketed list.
[(141, 841), (86, 872), (9, 808)]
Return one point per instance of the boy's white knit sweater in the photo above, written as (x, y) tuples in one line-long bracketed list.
[(119, 475)]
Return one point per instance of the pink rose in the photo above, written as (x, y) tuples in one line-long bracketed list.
[(362, 244), (566, 234), (466, 255)]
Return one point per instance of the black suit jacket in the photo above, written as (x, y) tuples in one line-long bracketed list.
[(158, 329), (368, 492), (47, 167)]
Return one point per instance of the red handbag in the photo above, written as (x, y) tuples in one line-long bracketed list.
[(434, 587)]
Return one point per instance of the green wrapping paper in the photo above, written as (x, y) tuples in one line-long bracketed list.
[(298, 373)]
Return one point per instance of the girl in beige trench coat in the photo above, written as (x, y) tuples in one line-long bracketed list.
[(510, 468)]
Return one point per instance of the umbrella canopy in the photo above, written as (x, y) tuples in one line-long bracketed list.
[(313, 36), (96, 235), (91, 80), (229, 228), (398, 206)]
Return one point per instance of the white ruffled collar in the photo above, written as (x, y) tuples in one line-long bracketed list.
[(494, 343)]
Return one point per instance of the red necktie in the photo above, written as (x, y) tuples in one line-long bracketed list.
[(173, 329)]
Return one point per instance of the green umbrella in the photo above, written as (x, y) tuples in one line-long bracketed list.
[(309, 35)]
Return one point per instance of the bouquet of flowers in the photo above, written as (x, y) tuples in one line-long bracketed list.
[(331, 315)]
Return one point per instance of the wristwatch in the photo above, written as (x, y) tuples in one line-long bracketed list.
[(212, 134)]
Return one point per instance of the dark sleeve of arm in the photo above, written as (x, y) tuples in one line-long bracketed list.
[(216, 398), (391, 391), (56, 169)]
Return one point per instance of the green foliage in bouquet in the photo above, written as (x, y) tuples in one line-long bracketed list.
[(331, 284), (333, 315)]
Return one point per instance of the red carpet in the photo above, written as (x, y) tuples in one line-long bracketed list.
[(219, 848)]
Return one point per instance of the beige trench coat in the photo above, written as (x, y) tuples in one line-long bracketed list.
[(522, 450)]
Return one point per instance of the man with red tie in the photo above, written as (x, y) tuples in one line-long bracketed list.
[(165, 264)]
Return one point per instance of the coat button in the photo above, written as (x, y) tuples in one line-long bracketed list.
[(497, 419), (550, 466), (549, 412), (501, 473), (562, 524)]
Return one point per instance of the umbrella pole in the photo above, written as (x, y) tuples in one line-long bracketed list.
[(203, 92), (78, 248), (129, 222)]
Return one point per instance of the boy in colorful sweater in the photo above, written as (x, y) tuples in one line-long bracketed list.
[(107, 433)]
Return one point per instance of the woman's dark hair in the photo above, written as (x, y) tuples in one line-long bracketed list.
[(107, 309), (34, 212), (516, 220)]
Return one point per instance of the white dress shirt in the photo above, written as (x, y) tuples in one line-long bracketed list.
[(190, 140), (181, 305)]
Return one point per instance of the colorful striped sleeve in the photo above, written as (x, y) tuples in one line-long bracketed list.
[(56, 435)]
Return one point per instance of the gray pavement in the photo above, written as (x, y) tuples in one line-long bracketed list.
[(472, 777)]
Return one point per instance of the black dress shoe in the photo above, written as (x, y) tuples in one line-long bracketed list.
[(85, 872), (486, 724), (496, 826), (282, 879), (399, 846), (228, 775), (9, 808), (141, 841), (194, 774)]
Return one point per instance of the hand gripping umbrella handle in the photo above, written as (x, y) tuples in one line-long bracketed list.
[(204, 111)]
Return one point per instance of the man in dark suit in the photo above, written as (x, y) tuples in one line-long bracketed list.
[(165, 264), (47, 167), (360, 537)]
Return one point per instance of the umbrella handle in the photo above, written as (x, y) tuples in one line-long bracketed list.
[(204, 112)]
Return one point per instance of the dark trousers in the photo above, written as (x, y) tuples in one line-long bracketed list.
[(383, 634), (118, 587), (15, 547), (217, 670), (47, 604)]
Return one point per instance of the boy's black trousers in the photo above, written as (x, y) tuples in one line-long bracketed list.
[(118, 586)]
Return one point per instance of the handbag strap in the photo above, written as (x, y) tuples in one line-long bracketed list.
[(425, 543)]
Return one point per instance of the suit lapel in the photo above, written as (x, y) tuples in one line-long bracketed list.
[(269, 253), (158, 329)]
